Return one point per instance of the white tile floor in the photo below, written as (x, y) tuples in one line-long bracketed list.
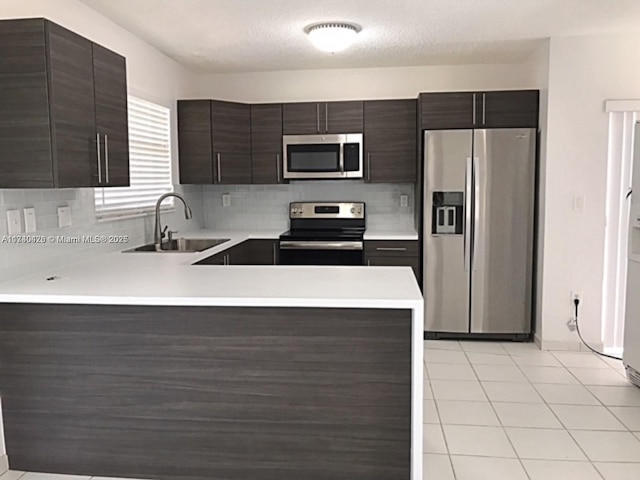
[(507, 411)]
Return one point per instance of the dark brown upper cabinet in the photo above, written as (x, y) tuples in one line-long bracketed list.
[(494, 109), (266, 143), (390, 141), (64, 109), (214, 142), (311, 118)]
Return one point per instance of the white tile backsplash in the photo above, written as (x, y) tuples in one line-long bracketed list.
[(267, 206), (19, 259)]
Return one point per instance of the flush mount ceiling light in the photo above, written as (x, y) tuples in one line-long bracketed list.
[(332, 36)]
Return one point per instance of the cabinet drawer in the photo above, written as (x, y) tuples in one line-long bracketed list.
[(412, 262), (391, 248)]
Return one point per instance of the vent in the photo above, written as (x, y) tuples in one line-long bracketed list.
[(634, 376)]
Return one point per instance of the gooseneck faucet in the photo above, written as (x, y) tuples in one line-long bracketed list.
[(158, 234)]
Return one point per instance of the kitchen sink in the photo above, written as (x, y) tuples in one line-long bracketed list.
[(181, 245)]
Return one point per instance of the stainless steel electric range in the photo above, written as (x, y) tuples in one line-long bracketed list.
[(324, 233)]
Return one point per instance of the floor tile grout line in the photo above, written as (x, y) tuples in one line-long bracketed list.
[(500, 422), (560, 421)]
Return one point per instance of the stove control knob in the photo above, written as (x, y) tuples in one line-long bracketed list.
[(353, 210)]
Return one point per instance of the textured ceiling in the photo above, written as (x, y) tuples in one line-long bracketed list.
[(220, 36)]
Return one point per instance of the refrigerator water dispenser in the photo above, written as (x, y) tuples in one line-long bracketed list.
[(447, 215)]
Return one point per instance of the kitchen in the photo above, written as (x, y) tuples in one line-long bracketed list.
[(550, 69)]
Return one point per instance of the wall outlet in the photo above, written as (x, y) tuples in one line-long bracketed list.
[(579, 203), (576, 294), (64, 217), (14, 225), (404, 200), (29, 219), (226, 199)]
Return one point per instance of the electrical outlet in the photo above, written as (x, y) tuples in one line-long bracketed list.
[(64, 217), (576, 294), (404, 200), (226, 200), (29, 219), (14, 225)]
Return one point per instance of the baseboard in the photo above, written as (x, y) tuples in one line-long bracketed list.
[(568, 346), (4, 464), (537, 340)]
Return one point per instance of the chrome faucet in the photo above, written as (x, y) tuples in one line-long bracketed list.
[(159, 234)]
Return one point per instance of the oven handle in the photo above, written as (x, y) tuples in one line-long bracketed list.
[(292, 245)]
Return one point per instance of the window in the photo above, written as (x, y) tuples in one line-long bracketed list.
[(149, 164)]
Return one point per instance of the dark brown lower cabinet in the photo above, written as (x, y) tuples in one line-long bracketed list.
[(201, 393), (249, 252), (393, 253)]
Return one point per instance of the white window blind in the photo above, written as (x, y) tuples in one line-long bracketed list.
[(149, 164)]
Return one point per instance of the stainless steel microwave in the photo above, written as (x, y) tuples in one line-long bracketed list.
[(322, 156)]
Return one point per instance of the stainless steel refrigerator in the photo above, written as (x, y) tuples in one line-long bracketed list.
[(479, 194)]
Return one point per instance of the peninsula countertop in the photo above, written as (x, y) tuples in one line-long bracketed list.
[(170, 278)]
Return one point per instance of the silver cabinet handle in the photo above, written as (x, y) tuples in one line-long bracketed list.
[(317, 118), (474, 109), (326, 118), (218, 167), (99, 162), (467, 213), (274, 254), (106, 157), (311, 245), (278, 168), (368, 167), (484, 108), (391, 249)]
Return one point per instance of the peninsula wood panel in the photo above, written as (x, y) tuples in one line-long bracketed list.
[(207, 392)]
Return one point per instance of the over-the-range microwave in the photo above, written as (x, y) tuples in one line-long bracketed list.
[(322, 156)]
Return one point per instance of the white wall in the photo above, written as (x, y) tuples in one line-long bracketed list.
[(538, 70), (151, 75), (584, 73), (360, 83)]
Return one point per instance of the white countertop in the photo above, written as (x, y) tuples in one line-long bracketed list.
[(152, 278)]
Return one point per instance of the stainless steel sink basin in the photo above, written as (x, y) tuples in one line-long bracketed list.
[(182, 245)]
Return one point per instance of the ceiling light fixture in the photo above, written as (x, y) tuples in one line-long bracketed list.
[(332, 36)]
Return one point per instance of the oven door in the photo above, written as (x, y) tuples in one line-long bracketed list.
[(308, 252)]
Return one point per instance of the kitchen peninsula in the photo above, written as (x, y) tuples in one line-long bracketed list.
[(147, 366)]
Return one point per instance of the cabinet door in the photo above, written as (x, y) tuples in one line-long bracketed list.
[(231, 127), (342, 117), (194, 142), (72, 107), (301, 118), (447, 110), (263, 252), (217, 259), (510, 109), (390, 132), (25, 132), (266, 143), (232, 168), (110, 80)]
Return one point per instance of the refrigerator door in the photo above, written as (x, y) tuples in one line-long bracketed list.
[(501, 263), (446, 280)]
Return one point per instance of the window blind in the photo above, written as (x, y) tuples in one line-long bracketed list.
[(149, 164)]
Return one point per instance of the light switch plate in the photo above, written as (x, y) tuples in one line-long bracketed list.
[(404, 200), (64, 217), (29, 219), (226, 200), (14, 225)]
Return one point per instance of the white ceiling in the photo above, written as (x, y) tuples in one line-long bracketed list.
[(221, 36)]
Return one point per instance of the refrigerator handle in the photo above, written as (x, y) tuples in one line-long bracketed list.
[(468, 175), (476, 202)]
